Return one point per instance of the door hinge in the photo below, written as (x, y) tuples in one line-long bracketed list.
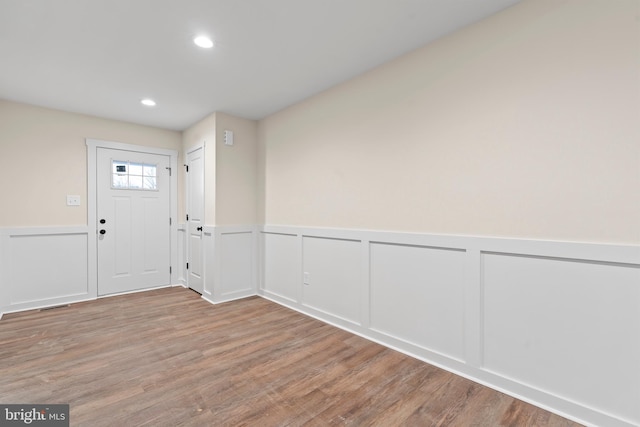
[(169, 269), (169, 220), (187, 167), (187, 266), (169, 169), (187, 217)]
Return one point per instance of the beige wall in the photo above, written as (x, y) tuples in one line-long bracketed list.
[(236, 171), (230, 171), (522, 125), (43, 158)]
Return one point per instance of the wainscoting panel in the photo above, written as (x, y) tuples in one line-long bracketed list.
[(281, 267), (209, 270), (332, 269), (556, 324), (178, 269), (44, 267), (236, 263), (230, 261), (417, 295), (568, 327)]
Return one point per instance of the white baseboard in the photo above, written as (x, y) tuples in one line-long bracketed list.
[(229, 298), (556, 324), (135, 291)]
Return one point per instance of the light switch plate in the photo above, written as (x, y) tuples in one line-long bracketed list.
[(73, 200), (228, 137)]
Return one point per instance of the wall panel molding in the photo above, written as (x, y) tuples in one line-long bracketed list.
[(556, 324), (178, 268), (231, 262), (43, 267), (566, 320), (417, 295)]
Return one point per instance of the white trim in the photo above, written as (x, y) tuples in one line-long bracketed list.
[(574, 255), (48, 304), (220, 231), (179, 269), (187, 248), (470, 365), (195, 148), (92, 219), (506, 386), (98, 143), (209, 260), (229, 299), (136, 291), (579, 251), (8, 274), (43, 231), (213, 256)]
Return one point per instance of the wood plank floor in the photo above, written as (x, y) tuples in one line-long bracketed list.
[(166, 358)]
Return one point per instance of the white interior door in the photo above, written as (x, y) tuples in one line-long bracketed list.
[(133, 207), (195, 219)]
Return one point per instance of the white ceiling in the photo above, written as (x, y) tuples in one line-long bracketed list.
[(100, 57)]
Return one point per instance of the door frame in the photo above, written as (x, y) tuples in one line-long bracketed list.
[(187, 248), (92, 209)]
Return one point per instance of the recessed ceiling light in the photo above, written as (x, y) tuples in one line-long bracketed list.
[(148, 102), (203, 41)]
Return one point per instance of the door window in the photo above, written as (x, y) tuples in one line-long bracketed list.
[(127, 175)]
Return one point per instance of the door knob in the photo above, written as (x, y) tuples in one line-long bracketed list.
[(103, 231), (199, 228)]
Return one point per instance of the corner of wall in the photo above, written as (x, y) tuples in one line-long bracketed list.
[(236, 171)]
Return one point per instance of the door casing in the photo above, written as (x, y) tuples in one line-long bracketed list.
[(195, 256), (92, 218), (135, 251)]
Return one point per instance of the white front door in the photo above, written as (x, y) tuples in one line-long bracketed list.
[(195, 219), (133, 211)]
